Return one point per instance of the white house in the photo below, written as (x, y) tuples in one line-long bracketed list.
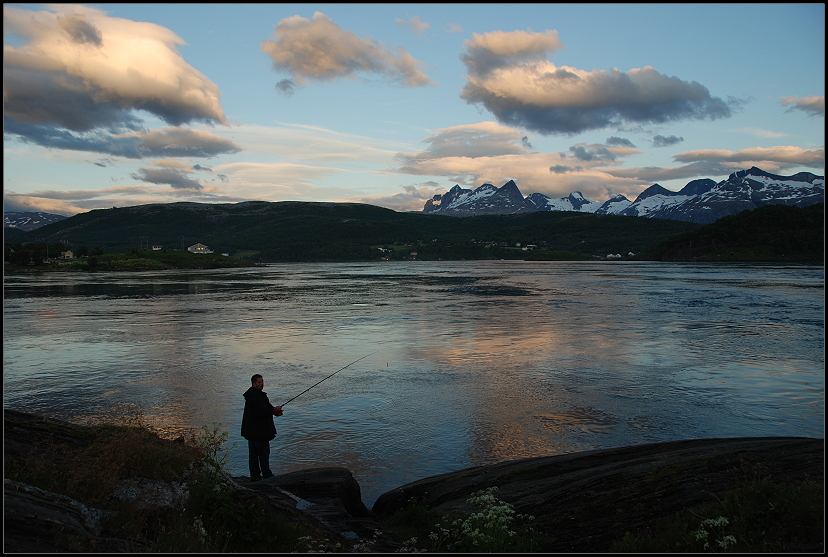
[(199, 248)]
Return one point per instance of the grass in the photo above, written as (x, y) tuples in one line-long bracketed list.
[(758, 517), (213, 519)]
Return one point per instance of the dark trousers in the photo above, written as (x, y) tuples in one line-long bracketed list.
[(259, 459)]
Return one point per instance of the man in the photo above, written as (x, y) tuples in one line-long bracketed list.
[(257, 427)]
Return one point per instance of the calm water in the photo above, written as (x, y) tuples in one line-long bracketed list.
[(476, 362)]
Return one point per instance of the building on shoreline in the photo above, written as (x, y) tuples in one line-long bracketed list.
[(199, 248)]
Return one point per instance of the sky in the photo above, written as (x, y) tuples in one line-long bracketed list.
[(115, 105)]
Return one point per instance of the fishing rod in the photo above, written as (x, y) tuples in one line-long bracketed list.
[(328, 377)]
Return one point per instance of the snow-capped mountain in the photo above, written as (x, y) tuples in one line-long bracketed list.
[(29, 220), (701, 201), (485, 200)]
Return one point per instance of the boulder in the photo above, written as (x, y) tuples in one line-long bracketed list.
[(335, 486)]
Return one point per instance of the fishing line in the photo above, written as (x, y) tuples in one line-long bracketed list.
[(328, 377)]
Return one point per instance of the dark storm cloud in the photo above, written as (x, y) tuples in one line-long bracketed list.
[(661, 141)]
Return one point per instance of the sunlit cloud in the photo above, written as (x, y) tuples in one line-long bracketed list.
[(72, 202), (511, 77), (414, 24), (80, 70), (759, 132), (411, 198), (474, 154), (812, 105), (814, 158), (311, 144), (707, 163), (473, 140), (79, 80), (273, 181), (319, 49)]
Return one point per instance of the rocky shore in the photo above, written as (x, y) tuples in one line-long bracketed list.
[(583, 501)]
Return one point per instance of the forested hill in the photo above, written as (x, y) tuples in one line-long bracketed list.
[(298, 231), (770, 233)]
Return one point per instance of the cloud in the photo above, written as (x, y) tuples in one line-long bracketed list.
[(498, 49), (79, 201), (182, 142), (812, 105), (414, 24), (319, 49), (661, 141), (784, 154), (561, 169), (286, 86), (620, 141), (80, 70), (473, 140), (165, 142), (474, 154), (453, 28), (590, 153), (759, 132), (511, 77), (412, 198), (175, 177), (707, 163)]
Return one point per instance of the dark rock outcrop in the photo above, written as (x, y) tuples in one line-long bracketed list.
[(585, 501)]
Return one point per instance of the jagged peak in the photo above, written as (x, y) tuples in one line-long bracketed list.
[(617, 197), (655, 189)]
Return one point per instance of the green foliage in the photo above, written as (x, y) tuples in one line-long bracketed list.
[(759, 517), (493, 528), (293, 231), (215, 518), (770, 233)]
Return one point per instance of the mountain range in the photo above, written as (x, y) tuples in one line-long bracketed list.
[(700, 201), (29, 220)]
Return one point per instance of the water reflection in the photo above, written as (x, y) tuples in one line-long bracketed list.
[(475, 362)]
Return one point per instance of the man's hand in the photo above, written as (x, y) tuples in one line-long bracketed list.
[(277, 411)]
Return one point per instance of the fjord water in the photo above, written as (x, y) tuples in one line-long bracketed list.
[(475, 362)]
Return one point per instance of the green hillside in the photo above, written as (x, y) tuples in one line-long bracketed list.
[(770, 233), (297, 231)]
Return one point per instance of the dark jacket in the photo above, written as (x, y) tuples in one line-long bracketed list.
[(257, 420)]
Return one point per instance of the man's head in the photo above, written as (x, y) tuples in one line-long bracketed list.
[(257, 381)]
